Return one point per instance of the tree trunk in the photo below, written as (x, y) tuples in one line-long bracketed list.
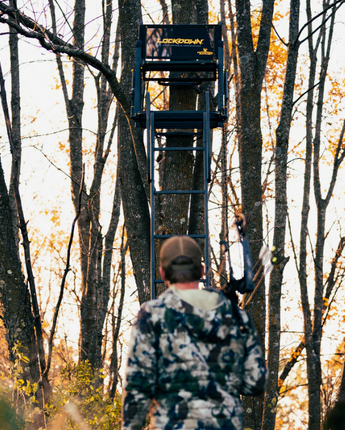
[(252, 69), (14, 294), (16, 125), (178, 165), (313, 345), (116, 326), (131, 157), (281, 157), (305, 207)]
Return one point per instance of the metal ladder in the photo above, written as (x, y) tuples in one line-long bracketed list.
[(197, 120)]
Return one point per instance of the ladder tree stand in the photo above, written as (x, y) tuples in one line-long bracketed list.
[(183, 56)]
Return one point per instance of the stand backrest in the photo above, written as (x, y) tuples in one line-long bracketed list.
[(180, 42)]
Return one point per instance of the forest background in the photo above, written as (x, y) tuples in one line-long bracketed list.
[(74, 194)]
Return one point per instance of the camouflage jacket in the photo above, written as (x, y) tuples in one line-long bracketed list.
[(187, 367)]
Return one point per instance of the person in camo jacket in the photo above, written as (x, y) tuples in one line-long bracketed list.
[(188, 361)]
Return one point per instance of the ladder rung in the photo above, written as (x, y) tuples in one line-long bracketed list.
[(166, 236), (177, 83), (191, 120), (159, 281), (178, 133), (179, 148), (181, 65), (180, 192), (180, 114)]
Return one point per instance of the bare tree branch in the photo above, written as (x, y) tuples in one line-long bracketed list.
[(49, 41), (337, 2)]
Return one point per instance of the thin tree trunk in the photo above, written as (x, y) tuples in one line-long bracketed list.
[(114, 361), (281, 156), (313, 345), (16, 125), (305, 212)]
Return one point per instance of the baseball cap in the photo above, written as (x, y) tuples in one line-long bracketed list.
[(180, 246)]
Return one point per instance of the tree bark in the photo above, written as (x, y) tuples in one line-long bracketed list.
[(184, 214), (16, 125), (314, 336), (131, 157), (114, 360), (281, 157), (305, 208), (14, 294), (252, 64)]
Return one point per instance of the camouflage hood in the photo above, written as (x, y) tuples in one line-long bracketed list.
[(204, 325)]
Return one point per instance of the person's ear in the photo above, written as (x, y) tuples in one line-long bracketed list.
[(202, 270), (162, 273)]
